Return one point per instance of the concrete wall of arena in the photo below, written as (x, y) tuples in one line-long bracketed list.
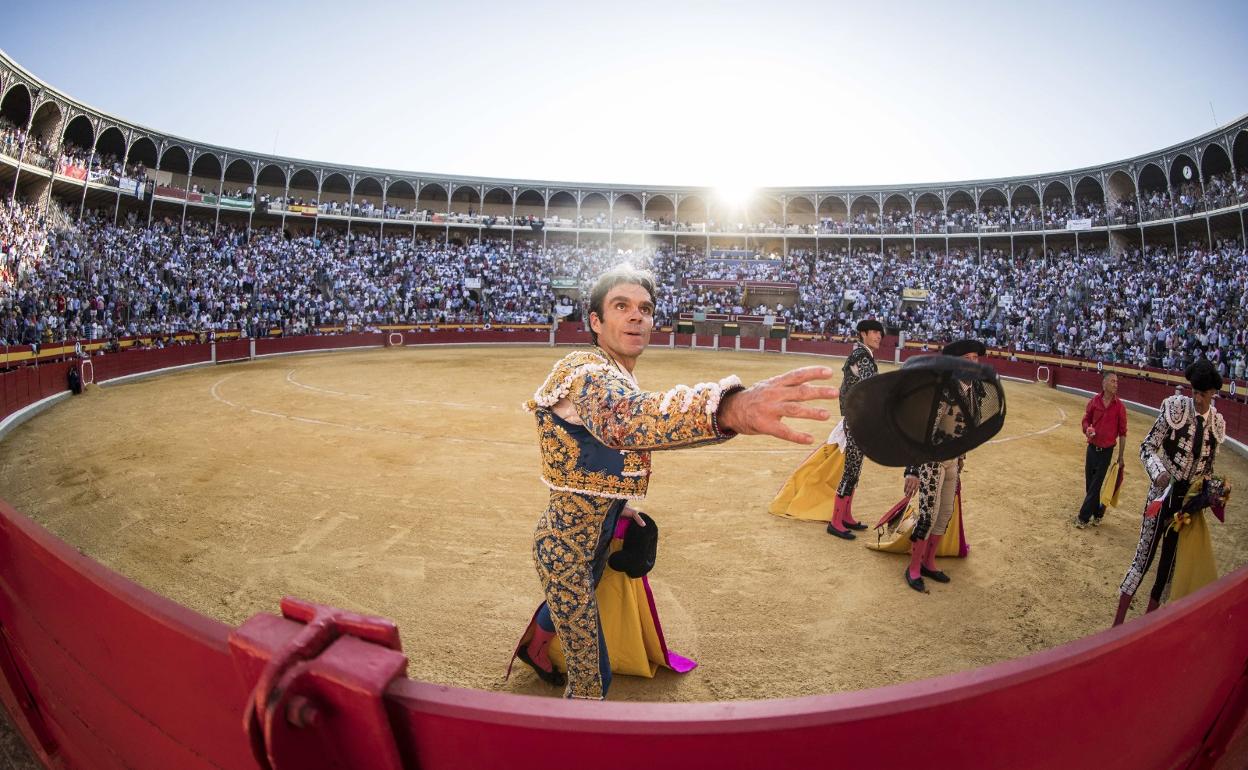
[(99, 672)]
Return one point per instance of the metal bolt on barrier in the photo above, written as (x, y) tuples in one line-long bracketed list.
[(301, 712)]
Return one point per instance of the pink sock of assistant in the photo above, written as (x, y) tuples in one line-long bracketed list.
[(929, 553), (848, 516), (917, 549)]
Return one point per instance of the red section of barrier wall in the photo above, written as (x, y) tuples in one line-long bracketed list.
[(571, 334), (28, 384), (453, 337), (270, 345), (821, 347), (233, 350), (114, 365), (123, 677), (25, 385), (120, 676)]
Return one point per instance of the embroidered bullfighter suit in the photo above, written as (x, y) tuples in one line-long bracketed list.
[(1181, 445), (593, 462)]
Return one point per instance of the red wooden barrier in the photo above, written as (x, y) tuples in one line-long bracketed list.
[(572, 334), (233, 350), (28, 384), (113, 365), (271, 345), (451, 336), (121, 677)]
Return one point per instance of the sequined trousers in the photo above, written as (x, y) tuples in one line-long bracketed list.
[(570, 547)]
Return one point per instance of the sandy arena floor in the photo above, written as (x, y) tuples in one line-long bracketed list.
[(404, 483)]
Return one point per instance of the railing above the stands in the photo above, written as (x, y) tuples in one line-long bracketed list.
[(1215, 204)]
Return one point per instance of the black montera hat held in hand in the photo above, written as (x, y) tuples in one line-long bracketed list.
[(870, 325), (641, 544), (893, 416)]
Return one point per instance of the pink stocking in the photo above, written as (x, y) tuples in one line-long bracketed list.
[(929, 553), (847, 518), (839, 512), (917, 549)]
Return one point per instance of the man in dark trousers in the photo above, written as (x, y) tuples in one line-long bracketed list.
[(1104, 424)]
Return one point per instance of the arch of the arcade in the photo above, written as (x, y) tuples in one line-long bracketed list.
[(1203, 167)]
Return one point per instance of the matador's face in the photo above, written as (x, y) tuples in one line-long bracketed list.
[(1203, 399), (626, 323)]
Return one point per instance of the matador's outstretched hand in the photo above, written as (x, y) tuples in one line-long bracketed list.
[(760, 409)]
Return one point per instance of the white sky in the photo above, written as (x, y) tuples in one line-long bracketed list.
[(778, 93)]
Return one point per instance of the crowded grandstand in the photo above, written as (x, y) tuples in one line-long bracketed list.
[(109, 231), (91, 278)]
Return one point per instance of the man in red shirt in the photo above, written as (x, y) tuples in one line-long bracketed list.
[(1104, 424)]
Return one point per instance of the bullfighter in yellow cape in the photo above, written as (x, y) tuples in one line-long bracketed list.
[(1178, 455), (822, 487)]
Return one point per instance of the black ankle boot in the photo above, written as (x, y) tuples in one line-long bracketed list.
[(551, 677), (846, 535), (915, 583)]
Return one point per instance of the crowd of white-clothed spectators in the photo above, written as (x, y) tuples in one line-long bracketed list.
[(94, 279)]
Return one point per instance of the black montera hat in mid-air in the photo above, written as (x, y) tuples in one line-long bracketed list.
[(893, 417), (641, 545)]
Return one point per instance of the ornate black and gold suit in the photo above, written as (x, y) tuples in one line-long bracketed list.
[(858, 366), (1170, 449), (591, 469), (938, 481)]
